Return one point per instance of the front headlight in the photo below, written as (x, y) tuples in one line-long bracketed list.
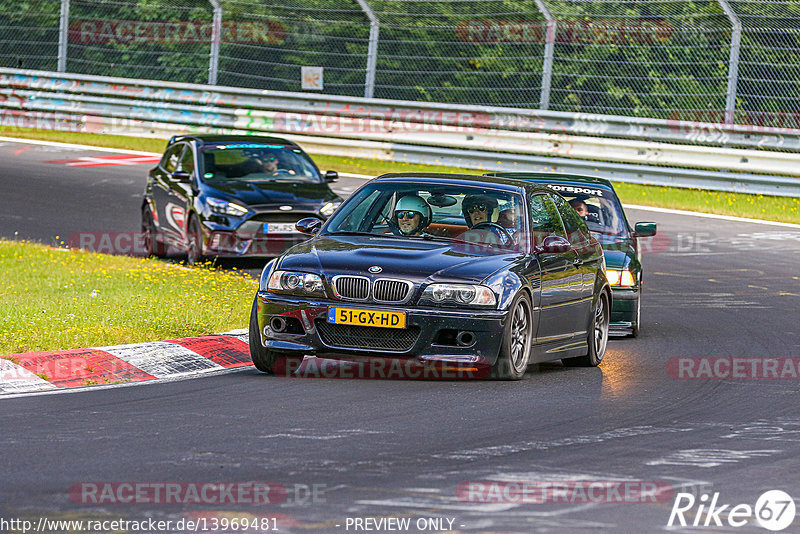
[(295, 283), (223, 207), (620, 278), (328, 208), (459, 295)]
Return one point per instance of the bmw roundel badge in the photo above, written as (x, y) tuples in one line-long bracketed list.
[(375, 269)]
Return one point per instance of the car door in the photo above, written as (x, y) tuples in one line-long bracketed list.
[(587, 260), (560, 278), (162, 184), (180, 193)]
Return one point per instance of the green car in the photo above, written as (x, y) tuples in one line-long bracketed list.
[(596, 201)]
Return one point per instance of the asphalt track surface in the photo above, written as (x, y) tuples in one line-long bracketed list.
[(402, 448)]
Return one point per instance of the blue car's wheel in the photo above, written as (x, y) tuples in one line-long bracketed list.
[(597, 337), (515, 349), (194, 250)]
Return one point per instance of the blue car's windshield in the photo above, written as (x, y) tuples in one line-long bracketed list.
[(458, 213), (256, 162)]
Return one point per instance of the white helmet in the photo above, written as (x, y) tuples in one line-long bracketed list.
[(418, 204)]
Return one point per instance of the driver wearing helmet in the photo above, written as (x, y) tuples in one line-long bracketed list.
[(272, 164), (412, 215), (480, 209)]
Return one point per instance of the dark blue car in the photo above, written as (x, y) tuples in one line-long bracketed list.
[(467, 270), (223, 195)]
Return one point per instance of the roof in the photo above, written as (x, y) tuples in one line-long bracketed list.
[(462, 179), (218, 138), (555, 177)]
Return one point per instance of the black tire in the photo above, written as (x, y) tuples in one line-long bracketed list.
[(152, 247), (263, 358), (597, 337), (194, 244), (515, 348)]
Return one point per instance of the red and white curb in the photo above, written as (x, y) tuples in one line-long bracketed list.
[(34, 372)]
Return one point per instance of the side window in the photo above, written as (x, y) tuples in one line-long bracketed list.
[(544, 219), (172, 157), (187, 160), (577, 231)]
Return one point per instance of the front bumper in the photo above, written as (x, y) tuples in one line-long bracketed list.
[(227, 244), (429, 336), (624, 307)]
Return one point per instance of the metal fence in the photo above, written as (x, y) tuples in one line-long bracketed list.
[(714, 61)]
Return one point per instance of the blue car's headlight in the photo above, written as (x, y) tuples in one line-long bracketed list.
[(295, 283), (223, 207), (459, 295)]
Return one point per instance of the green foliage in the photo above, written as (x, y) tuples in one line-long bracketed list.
[(654, 58)]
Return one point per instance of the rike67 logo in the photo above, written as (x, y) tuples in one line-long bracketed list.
[(774, 510)]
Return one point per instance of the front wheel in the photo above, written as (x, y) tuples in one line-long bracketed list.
[(515, 349), (263, 358), (597, 337), (194, 236), (152, 247)]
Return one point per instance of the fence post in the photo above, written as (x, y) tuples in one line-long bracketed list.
[(733, 62), (216, 36), (372, 52), (549, 46), (63, 35)]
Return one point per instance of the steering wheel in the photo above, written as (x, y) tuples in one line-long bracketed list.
[(496, 229), (276, 172)]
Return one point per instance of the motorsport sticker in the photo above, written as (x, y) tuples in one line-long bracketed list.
[(575, 189)]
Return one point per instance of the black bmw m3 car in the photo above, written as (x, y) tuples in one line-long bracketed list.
[(224, 195), (466, 270)]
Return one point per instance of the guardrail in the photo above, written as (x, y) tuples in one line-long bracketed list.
[(623, 148)]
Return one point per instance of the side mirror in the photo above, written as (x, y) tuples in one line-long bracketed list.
[(554, 244), (181, 177), (645, 229), (331, 176), (308, 226)]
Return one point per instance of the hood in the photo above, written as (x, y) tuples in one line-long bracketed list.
[(408, 259), (618, 251), (266, 194)]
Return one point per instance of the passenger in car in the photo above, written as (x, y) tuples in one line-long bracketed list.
[(479, 209)]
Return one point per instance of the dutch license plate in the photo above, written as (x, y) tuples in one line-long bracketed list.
[(279, 228), (384, 319)]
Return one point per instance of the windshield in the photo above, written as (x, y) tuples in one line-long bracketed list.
[(456, 213), (256, 162), (599, 207)]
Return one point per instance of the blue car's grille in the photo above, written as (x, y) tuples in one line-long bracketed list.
[(367, 337), (351, 287), (391, 290), (381, 290)]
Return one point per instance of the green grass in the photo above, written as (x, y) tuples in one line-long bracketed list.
[(782, 209), (46, 300)]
